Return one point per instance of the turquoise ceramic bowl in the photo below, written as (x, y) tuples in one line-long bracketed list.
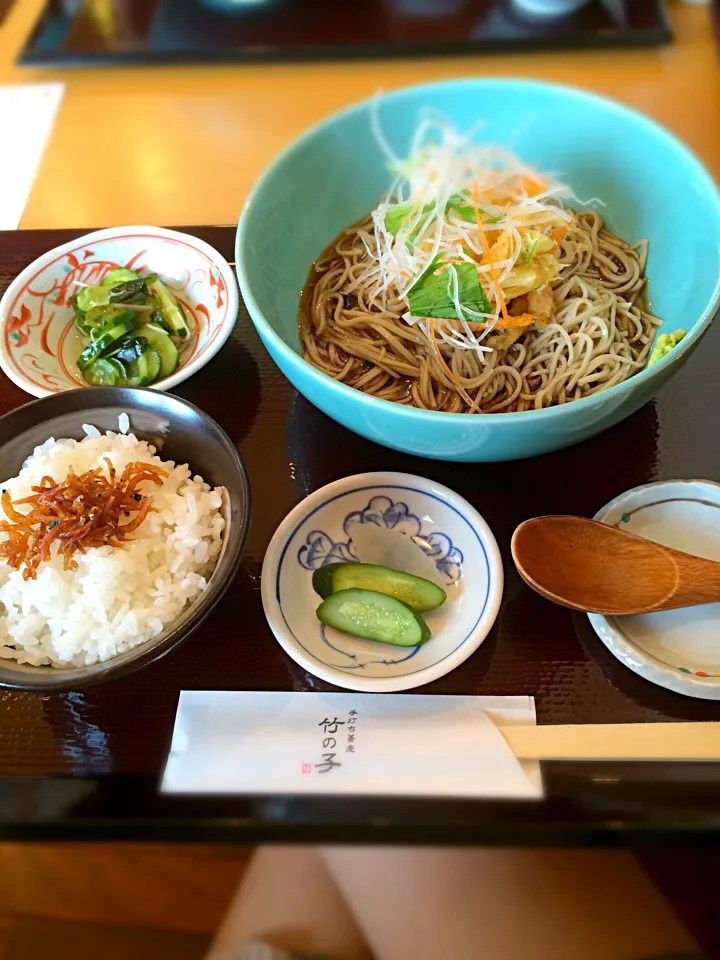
[(652, 186)]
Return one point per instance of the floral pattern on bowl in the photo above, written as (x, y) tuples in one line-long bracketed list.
[(676, 649), (320, 531), (39, 345), (319, 549)]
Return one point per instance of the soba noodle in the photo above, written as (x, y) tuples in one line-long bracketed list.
[(599, 331)]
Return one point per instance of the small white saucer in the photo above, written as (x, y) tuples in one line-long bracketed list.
[(677, 649), (464, 557)]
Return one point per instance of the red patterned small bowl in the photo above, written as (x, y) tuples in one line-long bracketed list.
[(39, 345)]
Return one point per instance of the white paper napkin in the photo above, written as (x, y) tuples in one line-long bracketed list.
[(347, 743), (27, 114)]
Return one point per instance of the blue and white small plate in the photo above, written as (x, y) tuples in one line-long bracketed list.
[(349, 520), (677, 649)]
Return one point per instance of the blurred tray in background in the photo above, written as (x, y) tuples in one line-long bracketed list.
[(177, 31)]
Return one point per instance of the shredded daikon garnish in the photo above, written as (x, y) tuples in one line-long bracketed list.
[(466, 228)]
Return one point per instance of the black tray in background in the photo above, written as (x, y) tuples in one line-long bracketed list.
[(179, 31)]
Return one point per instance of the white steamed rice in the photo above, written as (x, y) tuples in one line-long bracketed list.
[(118, 597)]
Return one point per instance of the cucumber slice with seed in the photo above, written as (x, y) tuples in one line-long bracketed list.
[(374, 616), (143, 370), (105, 373), (92, 296), (161, 342), (105, 338), (152, 358)]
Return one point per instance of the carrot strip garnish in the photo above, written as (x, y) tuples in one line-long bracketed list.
[(524, 320), (532, 186), (557, 235), (488, 256)]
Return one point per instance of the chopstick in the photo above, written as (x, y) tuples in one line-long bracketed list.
[(614, 741)]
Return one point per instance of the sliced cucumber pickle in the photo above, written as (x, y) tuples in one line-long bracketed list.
[(171, 309), (79, 323), (152, 358), (126, 350), (140, 370), (92, 296), (105, 372), (132, 326), (157, 318), (119, 275), (100, 316), (417, 592), (161, 342), (374, 616), (105, 338)]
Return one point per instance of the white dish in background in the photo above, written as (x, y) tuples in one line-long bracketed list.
[(677, 649), (465, 561), (549, 8)]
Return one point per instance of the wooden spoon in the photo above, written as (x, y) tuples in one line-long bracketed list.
[(586, 565)]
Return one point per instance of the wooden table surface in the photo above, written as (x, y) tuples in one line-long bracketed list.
[(201, 135)]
